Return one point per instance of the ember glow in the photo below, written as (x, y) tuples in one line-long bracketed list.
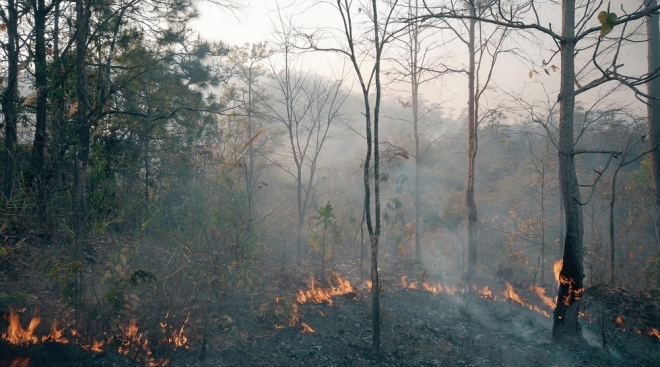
[(540, 292), (20, 362), (16, 334), (655, 332), (436, 288), (306, 329), (557, 268), (133, 343), (320, 295), (511, 294)]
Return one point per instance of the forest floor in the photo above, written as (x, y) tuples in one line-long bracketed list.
[(445, 325)]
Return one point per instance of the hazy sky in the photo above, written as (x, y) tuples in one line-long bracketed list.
[(255, 22)]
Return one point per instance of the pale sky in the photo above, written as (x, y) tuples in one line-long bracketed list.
[(254, 23)]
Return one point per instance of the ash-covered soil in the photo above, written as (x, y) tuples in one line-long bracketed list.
[(418, 329), (422, 329)]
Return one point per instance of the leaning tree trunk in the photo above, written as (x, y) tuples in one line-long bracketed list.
[(653, 106), (571, 278), (472, 152), (10, 97)]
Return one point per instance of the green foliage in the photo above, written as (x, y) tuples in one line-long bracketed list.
[(607, 21), (643, 176), (60, 272)]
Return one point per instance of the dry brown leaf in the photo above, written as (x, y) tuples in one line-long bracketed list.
[(30, 99), (72, 110)]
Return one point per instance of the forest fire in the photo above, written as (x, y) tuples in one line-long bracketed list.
[(618, 320), (429, 287), (557, 268), (487, 294), (132, 342), (511, 294), (540, 292), (655, 332), (320, 295), (306, 329), (16, 334)]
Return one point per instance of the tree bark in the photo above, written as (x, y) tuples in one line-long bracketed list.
[(472, 152), (41, 85), (375, 235), (82, 122), (571, 285), (10, 97), (414, 83), (653, 105)]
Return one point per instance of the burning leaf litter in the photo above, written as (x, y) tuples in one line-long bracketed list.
[(131, 343)]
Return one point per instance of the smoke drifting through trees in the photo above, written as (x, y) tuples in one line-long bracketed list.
[(223, 160)]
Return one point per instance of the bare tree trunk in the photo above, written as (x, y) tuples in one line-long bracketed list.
[(653, 105), (375, 234), (545, 157), (472, 152), (82, 158), (41, 85), (571, 288), (362, 245), (612, 202), (10, 97), (414, 75)]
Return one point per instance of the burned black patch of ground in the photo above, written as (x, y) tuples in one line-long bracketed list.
[(422, 329)]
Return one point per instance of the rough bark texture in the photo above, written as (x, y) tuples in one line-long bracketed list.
[(472, 152), (565, 327), (653, 107), (9, 99)]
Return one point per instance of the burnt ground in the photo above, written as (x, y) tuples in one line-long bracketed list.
[(418, 328), (422, 329)]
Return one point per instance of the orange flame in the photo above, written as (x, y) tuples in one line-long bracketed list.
[(16, 334), (306, 329), (55, 335), (655, 332), (97, 346), (618, 320), (557, 268), (320, 295), (540, 292), (429, 287), (511, 294), (487, 294)]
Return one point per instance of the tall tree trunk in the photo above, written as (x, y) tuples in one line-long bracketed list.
[(545, 157), (41, 86), (414, 75), (375, 234), (653, 107), (82, 127), (10, 97), (301, 216), (571, 288), (611, 220), (472, 152)]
